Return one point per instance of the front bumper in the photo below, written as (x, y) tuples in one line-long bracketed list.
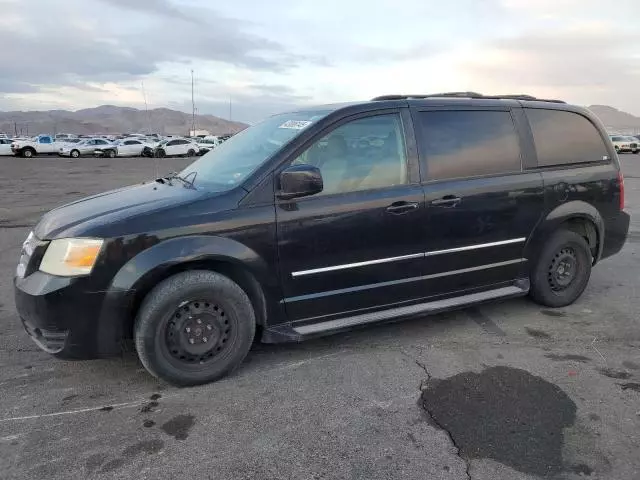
[(63, 315)]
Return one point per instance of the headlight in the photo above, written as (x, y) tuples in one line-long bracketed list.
[(71, 257)]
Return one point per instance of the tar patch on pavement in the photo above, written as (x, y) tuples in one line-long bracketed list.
[(94, 461), (537, 333), (155, 396), (112, 465), (553, 313), (569, 357), (505, 414), (617, 374), (69, 398), (178, 427), (630, 386), (106, 409), (148, 446), (148, 423), (631, 365), (149, 407), (581, 469)]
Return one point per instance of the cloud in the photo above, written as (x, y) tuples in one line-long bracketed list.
[(577, 63), (106, 48), (154, 7), (272, 56)]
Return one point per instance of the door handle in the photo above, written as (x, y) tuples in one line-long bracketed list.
[(447, 201), (398, 208)]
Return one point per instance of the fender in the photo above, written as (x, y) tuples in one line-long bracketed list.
[(195, 248), (143, 270), (571, 210)]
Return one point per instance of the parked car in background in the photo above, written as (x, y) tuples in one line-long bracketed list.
[(176, 147), (5, 146), (64, 136), (208, 143), (625, 144), (40, 145), (85, 147), (65, 141), (129, 147)]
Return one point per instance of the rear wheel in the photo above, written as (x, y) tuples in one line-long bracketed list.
[(111, 154), (194, 328), (161, 153), (28, 153), (562, 270), (191, 153), (635, 152)]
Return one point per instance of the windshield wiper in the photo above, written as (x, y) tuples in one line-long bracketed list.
[(185, 180)]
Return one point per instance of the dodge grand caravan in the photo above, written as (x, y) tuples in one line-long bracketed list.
[(324, 219)]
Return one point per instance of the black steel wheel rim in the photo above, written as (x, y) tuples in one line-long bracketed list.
[(198, 332), (563, 269)]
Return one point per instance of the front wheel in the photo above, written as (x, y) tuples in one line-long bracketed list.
[(75, 153), (191, 153), (562, 270), (27, 153), (194, 328), (161, 153), (636, 152), (111, 154)]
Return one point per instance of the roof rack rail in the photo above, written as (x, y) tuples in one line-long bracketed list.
[(472, 95)]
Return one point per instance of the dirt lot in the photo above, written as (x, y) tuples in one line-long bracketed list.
[(505, 391)]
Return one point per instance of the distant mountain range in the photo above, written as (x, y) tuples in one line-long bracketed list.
[(616, 120), (112, 119)]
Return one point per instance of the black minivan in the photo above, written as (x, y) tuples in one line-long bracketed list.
[(323, 219)]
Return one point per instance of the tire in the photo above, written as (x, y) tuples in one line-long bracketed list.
[(636, 152), (161, 153), (565, 253), (111, 154), (74, 153), (191, 153), (166, 324), (28, 153)]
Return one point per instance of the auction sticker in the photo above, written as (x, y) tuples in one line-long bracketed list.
[(295, 124)]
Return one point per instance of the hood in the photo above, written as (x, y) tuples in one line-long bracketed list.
[(84, 217)]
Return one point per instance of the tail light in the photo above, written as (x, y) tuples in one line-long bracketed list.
[(621, 183)]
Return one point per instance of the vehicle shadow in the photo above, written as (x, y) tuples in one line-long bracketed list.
[(414, 332)]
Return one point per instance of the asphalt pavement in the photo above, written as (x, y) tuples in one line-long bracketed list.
[(506, 391)]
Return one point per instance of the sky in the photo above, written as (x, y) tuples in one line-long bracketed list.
[(268, 56)]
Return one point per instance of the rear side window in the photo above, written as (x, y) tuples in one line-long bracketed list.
[(563, 138), (459, 143)]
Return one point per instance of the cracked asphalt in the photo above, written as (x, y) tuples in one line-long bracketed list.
[(506, 391)]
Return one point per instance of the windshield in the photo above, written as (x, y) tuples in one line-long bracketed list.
[(234, 160)]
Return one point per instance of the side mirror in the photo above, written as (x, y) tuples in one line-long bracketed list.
[(300, 181)]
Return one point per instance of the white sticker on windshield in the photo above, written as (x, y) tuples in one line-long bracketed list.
[(295, 124)]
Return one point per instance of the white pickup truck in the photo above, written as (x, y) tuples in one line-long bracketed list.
[(40, 145)]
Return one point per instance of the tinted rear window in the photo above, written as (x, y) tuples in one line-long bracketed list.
[(468, 143), (565, 137)]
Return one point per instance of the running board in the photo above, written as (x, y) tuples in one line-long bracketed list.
[(421, 308)]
